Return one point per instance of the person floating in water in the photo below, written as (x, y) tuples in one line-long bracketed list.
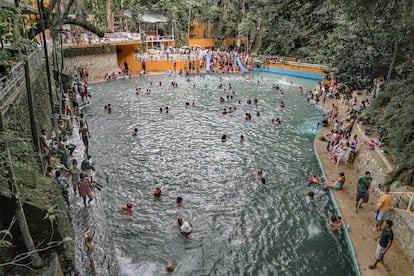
[(135, 133), (241, 138), (282, 105), (224, 138)]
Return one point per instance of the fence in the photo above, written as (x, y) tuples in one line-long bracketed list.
[(11, 84), (403, 201)]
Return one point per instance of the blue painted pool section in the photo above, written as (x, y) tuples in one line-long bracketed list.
[(306, 75)]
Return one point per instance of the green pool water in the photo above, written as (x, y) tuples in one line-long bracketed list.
[(240, 227)]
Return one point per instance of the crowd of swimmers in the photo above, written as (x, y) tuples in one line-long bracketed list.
[(81, 181)]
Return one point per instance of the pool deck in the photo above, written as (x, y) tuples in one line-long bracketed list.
[(361, 233)]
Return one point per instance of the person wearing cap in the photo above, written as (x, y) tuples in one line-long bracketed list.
[(385, 242), (338, 184), (128, 207)]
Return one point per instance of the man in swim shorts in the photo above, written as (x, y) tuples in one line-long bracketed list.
[(363, 186), (385, 242), (89, 249)]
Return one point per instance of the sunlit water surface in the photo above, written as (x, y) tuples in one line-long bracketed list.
[(240, 227)]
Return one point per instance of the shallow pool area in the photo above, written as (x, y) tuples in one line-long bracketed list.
[(241, 227)]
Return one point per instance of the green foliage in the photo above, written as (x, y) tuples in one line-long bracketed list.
[(392, 112), (11, 24)]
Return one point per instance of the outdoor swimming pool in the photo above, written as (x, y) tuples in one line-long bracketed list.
[(240, 228)]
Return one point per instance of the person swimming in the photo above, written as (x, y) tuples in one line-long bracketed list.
[(128, 207), (224, 138), (157, 191), (179, 201), (310, 199), (135, 133)]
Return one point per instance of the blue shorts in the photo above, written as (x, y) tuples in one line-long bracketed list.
[(338, 186), (89, 256), (379, 215)]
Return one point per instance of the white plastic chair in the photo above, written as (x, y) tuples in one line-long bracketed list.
[(344, 157)]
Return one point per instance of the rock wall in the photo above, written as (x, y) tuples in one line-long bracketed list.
[(37, 192), (98, 60), (377, 163)]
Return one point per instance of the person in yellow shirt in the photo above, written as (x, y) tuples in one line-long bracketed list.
[(384, 205)]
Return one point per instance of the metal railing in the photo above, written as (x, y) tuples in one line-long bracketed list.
[(120, 37), (15, 79), (165, 57), (403, 201)]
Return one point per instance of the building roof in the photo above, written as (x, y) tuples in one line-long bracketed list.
[(6, 3), (153, 17)]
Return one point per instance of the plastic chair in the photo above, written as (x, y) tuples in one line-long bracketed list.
[(344, 157)]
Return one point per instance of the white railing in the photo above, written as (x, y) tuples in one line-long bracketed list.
[(120, 37), (165, 57), (153, 38), (403, 200)]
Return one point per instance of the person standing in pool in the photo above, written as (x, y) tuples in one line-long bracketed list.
[(90, 247), (85, 189), (179, 201), (75, 175), (85, 135)]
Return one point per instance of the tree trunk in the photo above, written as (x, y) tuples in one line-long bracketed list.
[(109, 17), (36, 261), (392, 64), (259, 37)]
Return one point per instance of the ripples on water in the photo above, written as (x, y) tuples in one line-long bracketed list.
[(240, 228)]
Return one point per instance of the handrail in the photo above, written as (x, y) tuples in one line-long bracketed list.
[(400, 199)]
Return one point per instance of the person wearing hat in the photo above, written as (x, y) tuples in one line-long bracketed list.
[(385, 242), (338, 184)]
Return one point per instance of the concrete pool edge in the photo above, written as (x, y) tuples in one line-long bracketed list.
[(335, 204)]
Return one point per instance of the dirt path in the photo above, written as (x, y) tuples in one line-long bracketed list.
[(361, 232)]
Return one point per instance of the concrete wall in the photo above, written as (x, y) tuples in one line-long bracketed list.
[(98, 60), (377, 163)]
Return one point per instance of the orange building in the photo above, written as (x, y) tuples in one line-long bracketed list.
[(198, 36)]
